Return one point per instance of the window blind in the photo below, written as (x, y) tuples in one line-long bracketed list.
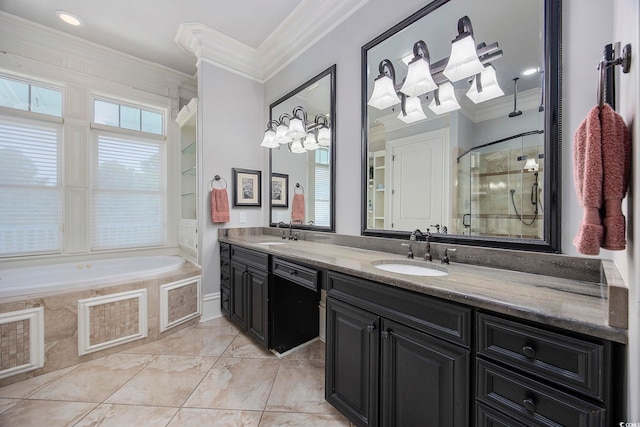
[(128, 192), (30, 194), (322, 199)]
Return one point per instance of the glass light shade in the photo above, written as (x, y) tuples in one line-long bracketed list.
[(310, 142), (419, 80), (490, 87), (463, 61), (324, 137), (531, 165), (296, 129), (269, 140), (296, 147), (281, 134), (448, 101), (384, 94), (414, 111)]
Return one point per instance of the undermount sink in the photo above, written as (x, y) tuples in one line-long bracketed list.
[(409, 268)]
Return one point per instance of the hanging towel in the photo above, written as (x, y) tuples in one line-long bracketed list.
[(297, 208), (219, 205), (601, 169)]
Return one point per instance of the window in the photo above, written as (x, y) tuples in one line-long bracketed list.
[(127, 117), (30, 194), (25, 96), (128, 192), (322, 181)]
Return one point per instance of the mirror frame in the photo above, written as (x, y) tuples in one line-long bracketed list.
[(331, 71), (552, 140)]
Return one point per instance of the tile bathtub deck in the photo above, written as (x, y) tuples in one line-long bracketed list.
[(207, 375)]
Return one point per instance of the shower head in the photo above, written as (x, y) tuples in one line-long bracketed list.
[(515, 112)]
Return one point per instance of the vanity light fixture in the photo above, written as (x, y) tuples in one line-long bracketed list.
[(297, 124), (444, 99), (69, 18), (296, 147), (384, 89), (324, 132), (485, 86), (411, 109), (282, 129), (463, 61), (419, 80), (531, 165), (310, 142), (269, 140)]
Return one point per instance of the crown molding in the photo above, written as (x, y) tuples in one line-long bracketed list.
[(309, 22)]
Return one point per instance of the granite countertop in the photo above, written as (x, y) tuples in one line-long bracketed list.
[(573, 305)]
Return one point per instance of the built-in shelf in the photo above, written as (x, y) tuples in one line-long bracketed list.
[(190, 171), (190, 149), (188, 194)]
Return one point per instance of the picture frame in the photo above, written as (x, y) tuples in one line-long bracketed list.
[(247, 187), (279, 190)]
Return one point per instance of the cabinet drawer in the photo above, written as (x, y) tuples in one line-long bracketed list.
[(567, 361), (439, 318), (533, 403), (255, 259), (225, 271), (303, 276), (224, 251), (224, 300), (488, 417)]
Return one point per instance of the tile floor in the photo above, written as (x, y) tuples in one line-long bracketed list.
[(207, 375)]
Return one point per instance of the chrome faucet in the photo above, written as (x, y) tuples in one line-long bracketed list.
[(290, 225), (427, 236), (445, 257)]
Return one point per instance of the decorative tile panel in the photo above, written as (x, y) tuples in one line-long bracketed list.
[(179, 302), (21, 341)]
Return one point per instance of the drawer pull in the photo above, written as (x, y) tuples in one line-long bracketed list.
[(529, 351), (529, 405), (371, 328), (293, 272)]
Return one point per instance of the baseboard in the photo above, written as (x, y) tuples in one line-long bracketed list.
[(211, 307)]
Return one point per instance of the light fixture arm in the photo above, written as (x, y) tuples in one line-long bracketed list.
[(386, 65), (464, 27), (321, 121), (297, 110), (420, 49), (271, 125), (282, 117)]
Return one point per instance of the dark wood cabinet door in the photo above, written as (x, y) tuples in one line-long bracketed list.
[(425, 380), (352, 362), (238, 300), (257, 303)]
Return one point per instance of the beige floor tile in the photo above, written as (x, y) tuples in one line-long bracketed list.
[(8, 403), (167, 381), (201, 342), (299, 387), (282, 419), (190, 417), (107, 415), (220, 324), (244, 346), (39, 413), (314, 350), (160, 346), (236, 384), (26, 388), (96, 380)]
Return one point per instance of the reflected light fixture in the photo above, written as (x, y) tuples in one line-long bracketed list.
[(299, 134), (69, 18), (310, 142), (297, 124), (384, 91), (529, 71), (485, 86), (324, 133), (282, 129), (531, 165), (269, 140), (296, 147), (463, 61), (419, 80), (411, 109), (444, 99)]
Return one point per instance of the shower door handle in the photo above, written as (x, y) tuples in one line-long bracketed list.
[(464, 220)]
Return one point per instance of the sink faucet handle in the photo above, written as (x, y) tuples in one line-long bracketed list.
[(410, 253), (445, 256)]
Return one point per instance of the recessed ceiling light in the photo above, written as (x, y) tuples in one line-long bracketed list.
[(530, 71), (69, 18)]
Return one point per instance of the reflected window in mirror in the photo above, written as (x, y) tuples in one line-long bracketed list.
[(470, 150), (304, 152)]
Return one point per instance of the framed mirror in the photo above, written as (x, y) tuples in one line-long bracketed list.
[(485, 169), (302, 167)]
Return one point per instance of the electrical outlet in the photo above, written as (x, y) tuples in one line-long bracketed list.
[(243, 217)]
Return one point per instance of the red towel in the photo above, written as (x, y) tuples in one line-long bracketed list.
[(602, 161), (219, 205), (297, 208)]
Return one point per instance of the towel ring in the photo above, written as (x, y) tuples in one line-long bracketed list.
[(217, 179), (300, 187)]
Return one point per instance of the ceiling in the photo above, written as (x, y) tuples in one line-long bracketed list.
[(146, 28)]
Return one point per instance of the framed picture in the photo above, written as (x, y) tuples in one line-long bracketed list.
[(279, 190), (247, 186)]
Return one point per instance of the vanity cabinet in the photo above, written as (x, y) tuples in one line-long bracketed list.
[(528, 375), (395, 357), (249, 287), (225, 279)]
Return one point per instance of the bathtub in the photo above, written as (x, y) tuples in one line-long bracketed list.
[(75, 275)]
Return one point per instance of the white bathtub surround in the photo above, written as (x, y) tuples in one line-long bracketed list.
[(62, 315), (22, 346)]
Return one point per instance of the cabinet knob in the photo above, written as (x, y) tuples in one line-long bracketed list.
[(529, 405), (371, 327), (386, 334), (529, 351), (293, 272)]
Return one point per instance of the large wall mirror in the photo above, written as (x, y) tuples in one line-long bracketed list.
[(474, 157), (303, 167)]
